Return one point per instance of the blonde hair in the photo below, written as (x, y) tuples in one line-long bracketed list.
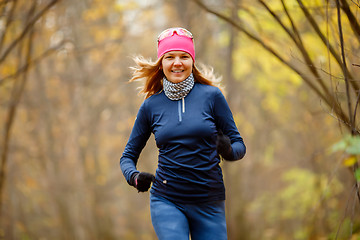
[(151, 74)]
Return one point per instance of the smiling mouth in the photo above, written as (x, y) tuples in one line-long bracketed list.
[(177, 71)]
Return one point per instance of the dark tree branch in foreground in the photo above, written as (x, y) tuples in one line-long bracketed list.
[(324, 92)]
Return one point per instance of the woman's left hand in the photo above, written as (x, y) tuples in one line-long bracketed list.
[(223, 146)]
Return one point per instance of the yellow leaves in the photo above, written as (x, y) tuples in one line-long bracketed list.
[(271, 103), (269, 77), (349, 161), (103, 21), (100, 180), (248, 128), (97, 56), (28, 185), (20, 226), (303, 191), (314, 46), (269, 155), (95, 13), (114, 33), (106, 9), (53, 89), (31, 183), (121, 5), (7, 69)]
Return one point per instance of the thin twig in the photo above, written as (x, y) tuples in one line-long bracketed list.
[(295, 36), (295, 30), (356, 4), (346, 208), (356, 107), (325, 41), (354, 24), (344, 65), (328, 45), (340, 120)]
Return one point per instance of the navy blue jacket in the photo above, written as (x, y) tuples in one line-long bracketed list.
[(185, 133)]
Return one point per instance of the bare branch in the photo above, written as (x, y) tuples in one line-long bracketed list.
[(297, 40), (352, 123), (295, 30), (330, 101), (263, 44), (35, 61), (27, 29), (340, 120), (18, 90), (354, 24), (8, 21), (354, 189), (326, 42), (356, 106), (356, 4)]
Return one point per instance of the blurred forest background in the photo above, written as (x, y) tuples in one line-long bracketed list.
[(291, 70)]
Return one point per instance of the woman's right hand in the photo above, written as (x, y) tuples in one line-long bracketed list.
[(142, 181)]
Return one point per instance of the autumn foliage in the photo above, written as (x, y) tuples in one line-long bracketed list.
[(290, 70)]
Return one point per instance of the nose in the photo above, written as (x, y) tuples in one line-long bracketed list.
[(177, 61)]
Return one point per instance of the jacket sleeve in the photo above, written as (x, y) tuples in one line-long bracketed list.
[(224, 120), (139, 136)]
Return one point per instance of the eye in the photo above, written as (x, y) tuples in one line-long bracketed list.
[(169, 57), (185, 56)]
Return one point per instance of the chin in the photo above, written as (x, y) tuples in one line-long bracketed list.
[(179, 80)]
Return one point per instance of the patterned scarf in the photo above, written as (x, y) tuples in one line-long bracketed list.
[(177, 91)]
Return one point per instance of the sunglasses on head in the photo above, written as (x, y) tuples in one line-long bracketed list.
[(171, 31)]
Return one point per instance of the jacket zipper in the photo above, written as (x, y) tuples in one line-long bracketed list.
[(181, 109)]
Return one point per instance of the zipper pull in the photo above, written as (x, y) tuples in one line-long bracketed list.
[(183, 105)]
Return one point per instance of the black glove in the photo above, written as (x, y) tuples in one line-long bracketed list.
[(223, 145), (142, 181)]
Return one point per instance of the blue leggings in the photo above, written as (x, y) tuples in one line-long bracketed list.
[(176, 221)]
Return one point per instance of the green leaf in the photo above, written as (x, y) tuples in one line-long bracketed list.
[(354, 146), (357, 174), (349, 144), (339, 146)]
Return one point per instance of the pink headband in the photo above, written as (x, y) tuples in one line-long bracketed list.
[(176, 43)]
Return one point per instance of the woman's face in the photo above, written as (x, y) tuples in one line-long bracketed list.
[(177, 66)]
